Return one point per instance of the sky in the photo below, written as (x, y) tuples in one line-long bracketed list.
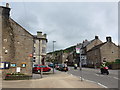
[(67, 23)]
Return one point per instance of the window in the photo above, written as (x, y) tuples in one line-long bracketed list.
[(43, 50), (12, 65), (2, 64), (34, 57), (44, 42), (23, 65)]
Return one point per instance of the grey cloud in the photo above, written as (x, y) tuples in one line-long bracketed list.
[(70, 23)]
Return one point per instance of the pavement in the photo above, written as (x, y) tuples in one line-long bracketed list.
[(49, 80)]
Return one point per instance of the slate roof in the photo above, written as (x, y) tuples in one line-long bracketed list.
[(97, 47)]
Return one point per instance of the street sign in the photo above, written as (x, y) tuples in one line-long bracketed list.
[(77, 50), (18, 69)]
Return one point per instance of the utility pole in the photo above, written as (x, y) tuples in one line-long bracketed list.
[(53, 57)]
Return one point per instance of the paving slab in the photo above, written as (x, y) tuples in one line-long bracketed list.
[(57, 80)]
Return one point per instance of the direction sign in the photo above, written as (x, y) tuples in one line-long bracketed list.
[(77, 50)]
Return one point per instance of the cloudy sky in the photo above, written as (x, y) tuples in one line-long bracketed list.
[(68, 23)]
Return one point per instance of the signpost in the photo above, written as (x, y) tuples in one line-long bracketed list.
[(78, 51)]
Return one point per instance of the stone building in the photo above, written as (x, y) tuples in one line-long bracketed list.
[(16, 45), (93, 43), (86, 46), (40, 46), (107, 50)]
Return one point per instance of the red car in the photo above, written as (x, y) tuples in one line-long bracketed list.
[(37, 68)]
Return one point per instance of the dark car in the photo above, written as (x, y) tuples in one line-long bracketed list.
[(51, 65), (37, 68), (62, 68), (57, 66)]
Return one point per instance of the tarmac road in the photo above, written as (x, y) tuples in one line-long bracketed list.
[(93, 75)]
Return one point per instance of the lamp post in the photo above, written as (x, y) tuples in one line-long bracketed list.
[(39, 52), (53, 56), (39, 59)]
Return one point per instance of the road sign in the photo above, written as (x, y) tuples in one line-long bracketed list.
[(77, 50)]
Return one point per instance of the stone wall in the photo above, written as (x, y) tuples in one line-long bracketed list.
[(18, 43), (94, 57), (109, 51)]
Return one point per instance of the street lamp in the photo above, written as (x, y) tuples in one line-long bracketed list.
[(53, 56), (39, 52)]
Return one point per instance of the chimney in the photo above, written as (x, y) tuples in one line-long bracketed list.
[(5, 11), (39, 34), (96, 37), (7, 5), (108, 39)]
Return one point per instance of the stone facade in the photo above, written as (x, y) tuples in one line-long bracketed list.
[(17, 45), (86, 46), (93, 43), (40, 46), (107, 51)]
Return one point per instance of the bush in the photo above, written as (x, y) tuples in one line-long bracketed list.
[(16, 76), (117, 61)]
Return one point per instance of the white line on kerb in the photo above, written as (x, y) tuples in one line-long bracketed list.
[(90, 81)]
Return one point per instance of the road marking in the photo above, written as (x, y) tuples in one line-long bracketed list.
[(102, 85), (97, 83), (97, 75), (90, 80), (115, 78)]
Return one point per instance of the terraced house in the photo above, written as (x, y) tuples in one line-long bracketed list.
[(105, 51)]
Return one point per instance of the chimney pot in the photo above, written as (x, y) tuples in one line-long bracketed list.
[(45, 35), (96, 37), (108, 39), (39, 34), (7, 5)]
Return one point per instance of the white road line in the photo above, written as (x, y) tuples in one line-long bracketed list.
[(90, 81), (97, 75), (102, 85), (115, 78)]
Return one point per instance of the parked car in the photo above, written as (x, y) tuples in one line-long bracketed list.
[(57, 66), (37, 68), (51, 65), (62, 68)]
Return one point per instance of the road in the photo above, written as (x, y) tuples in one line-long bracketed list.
[(93, 75)]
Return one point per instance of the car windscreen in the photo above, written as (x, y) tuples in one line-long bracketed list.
[(43, 66)]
